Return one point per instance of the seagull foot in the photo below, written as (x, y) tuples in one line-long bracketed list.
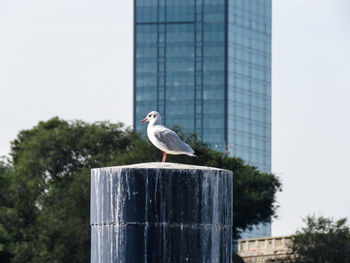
[(164, 157)]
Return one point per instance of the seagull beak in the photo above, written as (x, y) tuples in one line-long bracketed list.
[(145, 119)]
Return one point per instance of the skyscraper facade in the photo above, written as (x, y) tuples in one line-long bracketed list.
[(205, 65)]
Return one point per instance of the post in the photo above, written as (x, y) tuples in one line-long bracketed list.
[(161, 212)]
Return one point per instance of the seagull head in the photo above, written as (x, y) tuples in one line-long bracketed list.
[(153, 117)]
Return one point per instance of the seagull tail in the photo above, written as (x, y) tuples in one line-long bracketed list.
[(196, 154)]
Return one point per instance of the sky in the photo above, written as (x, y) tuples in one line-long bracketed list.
[(73, 59)]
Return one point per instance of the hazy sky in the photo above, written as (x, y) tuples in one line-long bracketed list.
[(73, 59)]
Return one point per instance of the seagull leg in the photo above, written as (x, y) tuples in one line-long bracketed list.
[(164, 157)]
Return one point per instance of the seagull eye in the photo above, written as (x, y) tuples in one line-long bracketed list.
[(149, 115), (154, 116)]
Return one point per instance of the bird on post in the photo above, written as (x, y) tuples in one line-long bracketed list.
[(165, 139)]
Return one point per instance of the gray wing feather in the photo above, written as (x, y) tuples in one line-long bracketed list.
[(172, 141)]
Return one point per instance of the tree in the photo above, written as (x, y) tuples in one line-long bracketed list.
[(5, 210), (47, 186), (322, 240)]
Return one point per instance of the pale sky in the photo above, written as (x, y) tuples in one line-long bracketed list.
[(73, 59)]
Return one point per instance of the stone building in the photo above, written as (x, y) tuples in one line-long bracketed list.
[(263, 250)]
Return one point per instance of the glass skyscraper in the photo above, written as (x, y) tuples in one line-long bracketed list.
[(205, 65)]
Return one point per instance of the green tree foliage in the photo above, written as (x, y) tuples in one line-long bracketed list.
[(6, 211), (45, 189), (322, 240)]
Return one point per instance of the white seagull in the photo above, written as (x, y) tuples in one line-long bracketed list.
[(165, 139)]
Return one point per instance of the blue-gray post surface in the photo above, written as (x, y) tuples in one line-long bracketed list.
[(161, 212)]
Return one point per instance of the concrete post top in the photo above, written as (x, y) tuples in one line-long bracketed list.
[(165, 165)]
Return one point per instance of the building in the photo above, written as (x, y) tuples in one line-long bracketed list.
[(263, 250), (205, 65)]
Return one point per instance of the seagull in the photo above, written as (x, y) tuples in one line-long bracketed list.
[(165, 139)]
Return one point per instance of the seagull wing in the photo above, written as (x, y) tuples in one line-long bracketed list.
[(172, 141)]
